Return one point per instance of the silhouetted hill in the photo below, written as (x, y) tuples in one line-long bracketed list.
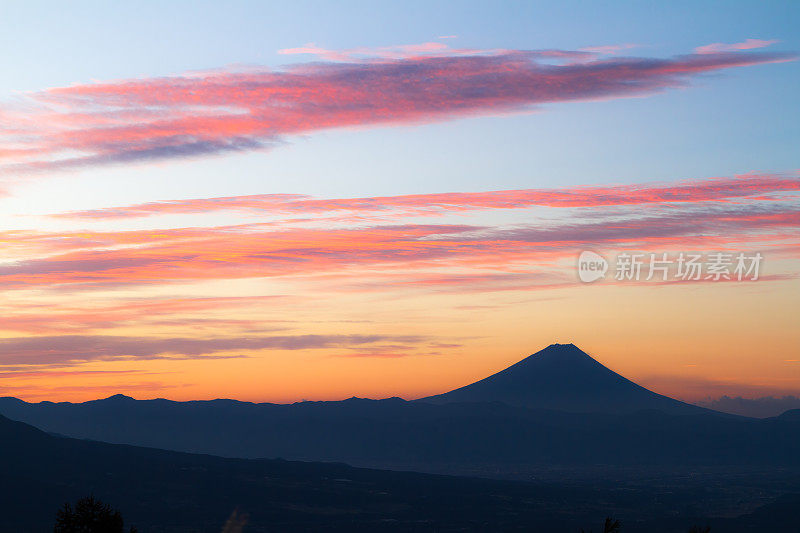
[(169, 491), (172, 492), (791, 414), (563, 377)]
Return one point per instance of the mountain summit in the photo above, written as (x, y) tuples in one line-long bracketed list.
[(563, 377)]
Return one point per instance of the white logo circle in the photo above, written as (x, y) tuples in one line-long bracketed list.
[(591, 266)]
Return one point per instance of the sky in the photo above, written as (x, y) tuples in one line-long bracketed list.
[(315, 201)]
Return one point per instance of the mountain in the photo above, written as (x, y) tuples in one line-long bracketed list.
[(538, 413), (565, 378)]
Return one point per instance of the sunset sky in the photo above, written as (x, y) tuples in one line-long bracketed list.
[(318, 200)]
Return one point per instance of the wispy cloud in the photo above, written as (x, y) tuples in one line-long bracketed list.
[(77, 349), (698, 389), (609, 49), (757, 407), (255, 250), (231, 111), (403, 51), (37, 392), (748, 44), (744, 186), (196, 313)]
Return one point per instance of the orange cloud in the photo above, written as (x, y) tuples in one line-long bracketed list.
[(65, 350), (71, 318)]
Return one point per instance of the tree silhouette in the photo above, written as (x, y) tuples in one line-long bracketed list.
[(698, 529), (235, 523), (610, 526), (89, 515)]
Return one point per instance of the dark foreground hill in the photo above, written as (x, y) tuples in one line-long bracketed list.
[(169, 491), (161, 491)]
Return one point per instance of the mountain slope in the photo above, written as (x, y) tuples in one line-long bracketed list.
[(564, 378), (172, 492), (164, 491)]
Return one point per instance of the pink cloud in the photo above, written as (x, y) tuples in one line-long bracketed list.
[(225, 111), (404, 51), (609, 49), (251, 251), (748, 44), (743, 186), (461, 283)]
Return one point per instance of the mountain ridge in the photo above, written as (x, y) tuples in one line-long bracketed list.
[(563, 367), (567, 400)]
